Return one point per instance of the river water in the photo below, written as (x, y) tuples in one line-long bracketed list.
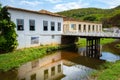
[(60, 65)]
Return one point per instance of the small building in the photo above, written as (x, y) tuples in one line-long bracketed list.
[(81, 26), (36, 28)]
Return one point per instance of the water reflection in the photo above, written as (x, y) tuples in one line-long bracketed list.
[(108, 56), (60, 65), (91, 51), (47, 68)]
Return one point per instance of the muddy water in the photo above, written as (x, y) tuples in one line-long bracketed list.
[(60, 65)]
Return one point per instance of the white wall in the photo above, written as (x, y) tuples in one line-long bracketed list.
[(24, 37)]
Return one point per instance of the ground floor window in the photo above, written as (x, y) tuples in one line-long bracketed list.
[(34, 40), (53, 36)]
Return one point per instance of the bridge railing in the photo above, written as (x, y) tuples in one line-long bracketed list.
[(99, 34)]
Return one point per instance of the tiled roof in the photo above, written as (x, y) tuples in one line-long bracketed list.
[(47, 12), (44, 12)]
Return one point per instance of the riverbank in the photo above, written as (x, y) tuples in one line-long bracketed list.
[(14, 59), (113, 47), (110, 71), (82, 41)]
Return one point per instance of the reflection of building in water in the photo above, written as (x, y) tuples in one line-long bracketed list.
[(47, 68)]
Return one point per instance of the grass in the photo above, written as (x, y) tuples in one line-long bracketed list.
[(117, 45), (106, 40), (111, 73), (82, 41), (15, 59)]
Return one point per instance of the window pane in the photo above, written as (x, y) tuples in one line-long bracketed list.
[(59, 68), (73, 26), (52, 26), (59, 26), (32, 24), (46, 74), (52, 71), (20, 24), (45, 25), (34, 40)]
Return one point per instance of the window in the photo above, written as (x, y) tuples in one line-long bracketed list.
[(34, 40), (93, 27), (73, 26), (88, 27), (20, 24), (32, 25), (52, 26), (96, 27), (53, 36), (59, 26), (46, 74), (45, 25), (100, 27), (84, 27), (59, 68), (33, 77), (52, 71), (79, 27)]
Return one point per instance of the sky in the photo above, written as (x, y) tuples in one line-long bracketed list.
[(60, 5)]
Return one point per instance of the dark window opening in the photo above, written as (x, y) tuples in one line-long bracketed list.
[(33, 77), (79, 27), (32, 25), (84, 28), (45, 74), (52, 26), (45, 25), (89, 28), (52, 71), (93, 27), (20, 24), (59, 68)]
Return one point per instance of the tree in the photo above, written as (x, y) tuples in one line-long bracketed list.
[(8, 34), (90, 18)]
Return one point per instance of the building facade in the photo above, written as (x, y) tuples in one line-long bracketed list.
[(79, 26), (36, 28)]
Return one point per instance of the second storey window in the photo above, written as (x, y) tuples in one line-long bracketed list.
[(20, 24), (45, 25), (52, 26), (32, 25), (59, 26), (73, 26)]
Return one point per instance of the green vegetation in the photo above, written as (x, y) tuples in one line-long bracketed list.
[(111, 73), (19, 57), (8, 35), (109, 17), (105, 40), (118, 45), (82, 41)]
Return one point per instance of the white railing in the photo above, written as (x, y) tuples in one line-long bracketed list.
[(99, 34)]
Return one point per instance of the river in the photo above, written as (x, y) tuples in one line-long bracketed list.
[(60, 65)]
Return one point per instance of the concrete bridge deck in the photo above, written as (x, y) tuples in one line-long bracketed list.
[(93, 34)]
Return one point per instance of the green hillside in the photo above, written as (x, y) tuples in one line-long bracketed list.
[(93, 14)]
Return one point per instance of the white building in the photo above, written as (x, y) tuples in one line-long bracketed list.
[(36, 28), (81, 26)]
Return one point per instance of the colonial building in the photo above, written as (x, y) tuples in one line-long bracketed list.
[(36, 28), (81, 26)]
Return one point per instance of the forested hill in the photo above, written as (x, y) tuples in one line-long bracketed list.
[(95, 14)]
